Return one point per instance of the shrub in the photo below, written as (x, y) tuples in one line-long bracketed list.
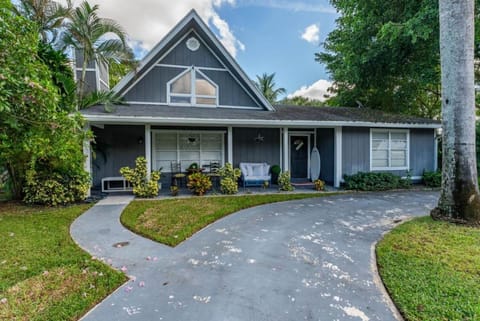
[(199, 183), (142, 186), (275, 171), (432, 179), (319, 184), (375, 181), (284, 183), (55, 189), (230, 176)]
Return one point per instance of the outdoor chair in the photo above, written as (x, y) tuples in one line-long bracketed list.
[(178, 177), (214, 173)]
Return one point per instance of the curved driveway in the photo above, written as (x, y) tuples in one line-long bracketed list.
[(300, 260)]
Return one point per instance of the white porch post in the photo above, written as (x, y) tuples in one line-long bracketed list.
[(286, 161), (230, 145), (87, 165), (148, 148), (338, 157)]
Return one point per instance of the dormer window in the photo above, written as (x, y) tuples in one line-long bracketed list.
[(192, 87)]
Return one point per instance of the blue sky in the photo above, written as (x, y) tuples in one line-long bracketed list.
[(273, 43), (263, 35)]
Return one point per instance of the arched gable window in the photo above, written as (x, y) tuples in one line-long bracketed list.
[(192, 87)]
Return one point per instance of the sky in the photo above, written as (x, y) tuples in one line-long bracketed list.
[(264, 36)]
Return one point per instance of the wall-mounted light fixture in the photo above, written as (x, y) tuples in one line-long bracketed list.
[(140, 140)]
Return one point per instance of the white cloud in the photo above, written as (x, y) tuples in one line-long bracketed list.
[(311, 34), (317, 90), (148, 21)]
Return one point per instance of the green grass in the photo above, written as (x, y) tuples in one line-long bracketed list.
[(172, 221), (44, 275), (432, 270)]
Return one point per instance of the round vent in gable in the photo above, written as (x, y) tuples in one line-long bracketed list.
[(193, 44)]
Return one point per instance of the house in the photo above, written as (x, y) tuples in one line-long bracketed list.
[(190, 101)]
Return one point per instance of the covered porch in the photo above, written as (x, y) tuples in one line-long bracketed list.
[(118, 145)]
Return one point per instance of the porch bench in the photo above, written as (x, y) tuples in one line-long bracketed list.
[(255, 174), (116, 184)]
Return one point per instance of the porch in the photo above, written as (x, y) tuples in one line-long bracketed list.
[(116, 146)]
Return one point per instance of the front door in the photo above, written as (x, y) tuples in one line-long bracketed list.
[(299, 156)]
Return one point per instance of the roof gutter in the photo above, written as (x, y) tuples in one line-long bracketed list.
[(110, 119)]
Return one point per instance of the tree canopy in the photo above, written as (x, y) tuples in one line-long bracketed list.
[(385, 54), (40, 141)]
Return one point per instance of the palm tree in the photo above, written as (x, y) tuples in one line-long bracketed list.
[(266, 84), (460, 198), (47, 14), (98, 39)]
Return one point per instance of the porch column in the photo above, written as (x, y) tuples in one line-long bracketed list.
[(286, 161), (230, 145), (338, 157), (148, 148), (87, 165)]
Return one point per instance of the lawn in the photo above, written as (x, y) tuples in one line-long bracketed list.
[(44, 275), (172, 221), (432, 270)]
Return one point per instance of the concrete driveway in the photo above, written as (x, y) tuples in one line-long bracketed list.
[(300, 260)]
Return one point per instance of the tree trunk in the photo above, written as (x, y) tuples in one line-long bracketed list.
[(82, 80), (460, 199)]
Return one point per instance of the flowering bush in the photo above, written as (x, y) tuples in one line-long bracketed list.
[(199, 183), (142, 186), (230, 176)]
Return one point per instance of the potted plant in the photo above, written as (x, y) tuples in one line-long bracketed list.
[(199, 183), (174, 190), (284, 183), (319, 184), (275, 171), (230, 176)]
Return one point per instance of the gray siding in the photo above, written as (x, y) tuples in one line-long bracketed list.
[(117, 146), (79, 60), (181, 55), (153, 87), (90, 80), (231, 93), (355, 150), (326, 147), (245, 149), (422, 151)]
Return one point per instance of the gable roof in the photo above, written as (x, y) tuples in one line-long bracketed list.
[(192, 20), (283, 116)]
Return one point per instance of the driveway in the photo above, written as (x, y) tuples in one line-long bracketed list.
[(300, 260)]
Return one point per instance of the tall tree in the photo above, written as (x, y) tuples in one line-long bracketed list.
[(99, 39), (266, 84), (384, 54), (47, 14), (460, 198), (37, 135)]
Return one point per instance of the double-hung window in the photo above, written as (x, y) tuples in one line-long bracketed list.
[(389, 149), (192, 87)]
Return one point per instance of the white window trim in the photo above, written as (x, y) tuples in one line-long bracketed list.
[(389, 131), (178, 132), (193, 97)]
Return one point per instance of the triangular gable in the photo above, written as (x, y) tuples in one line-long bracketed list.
[(168, 52)]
